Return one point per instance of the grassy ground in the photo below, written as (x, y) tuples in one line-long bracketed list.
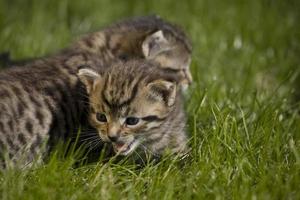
[(244, 119)]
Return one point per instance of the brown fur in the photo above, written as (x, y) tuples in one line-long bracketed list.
[(141, 90), (145, 37), (41, 101), (149, 37)]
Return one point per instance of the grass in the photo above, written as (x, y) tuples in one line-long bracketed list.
[(243, 111)]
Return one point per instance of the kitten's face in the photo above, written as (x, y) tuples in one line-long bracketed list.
[(126, 110)]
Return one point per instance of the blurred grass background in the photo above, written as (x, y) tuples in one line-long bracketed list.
[(243, 109)]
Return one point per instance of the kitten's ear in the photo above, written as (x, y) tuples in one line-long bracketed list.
[(88, 78), (163, 90), (155, 44)]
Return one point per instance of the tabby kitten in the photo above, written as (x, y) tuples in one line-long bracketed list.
[(149, 37), (39, 102), (136, 106)]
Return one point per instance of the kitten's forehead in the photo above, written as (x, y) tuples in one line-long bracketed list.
[(125, 86), (118, 92)]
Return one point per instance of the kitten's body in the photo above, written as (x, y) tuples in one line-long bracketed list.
[(40, 101)]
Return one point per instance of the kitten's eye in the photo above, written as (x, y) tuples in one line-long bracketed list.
[(124, 57), (101, 117), (132, 121)]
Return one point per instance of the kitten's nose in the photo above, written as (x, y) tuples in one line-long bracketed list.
[(113, 138), (113, 132)]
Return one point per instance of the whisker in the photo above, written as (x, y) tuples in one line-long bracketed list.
[(141, 158), (148, 150), (96, 144), (93, 144), (89, 133), (89, 138), (88, 144), (84, 135)]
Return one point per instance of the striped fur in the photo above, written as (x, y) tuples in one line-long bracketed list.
[(143, 91), (43, 100), (149, 37)]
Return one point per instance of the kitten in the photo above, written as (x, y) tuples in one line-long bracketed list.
[(149, 37), (136, 106), (41, 102)]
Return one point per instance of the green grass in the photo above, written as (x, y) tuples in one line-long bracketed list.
[(243, 117)]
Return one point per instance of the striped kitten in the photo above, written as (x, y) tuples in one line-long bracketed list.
[(41, 102), (149, 37), (136, 106)]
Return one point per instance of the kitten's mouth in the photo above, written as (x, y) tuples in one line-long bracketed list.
[(122, 148)]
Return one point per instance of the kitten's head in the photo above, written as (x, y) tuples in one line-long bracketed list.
[(161, 47), (170, 52), (154, 39), (128, 102)]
